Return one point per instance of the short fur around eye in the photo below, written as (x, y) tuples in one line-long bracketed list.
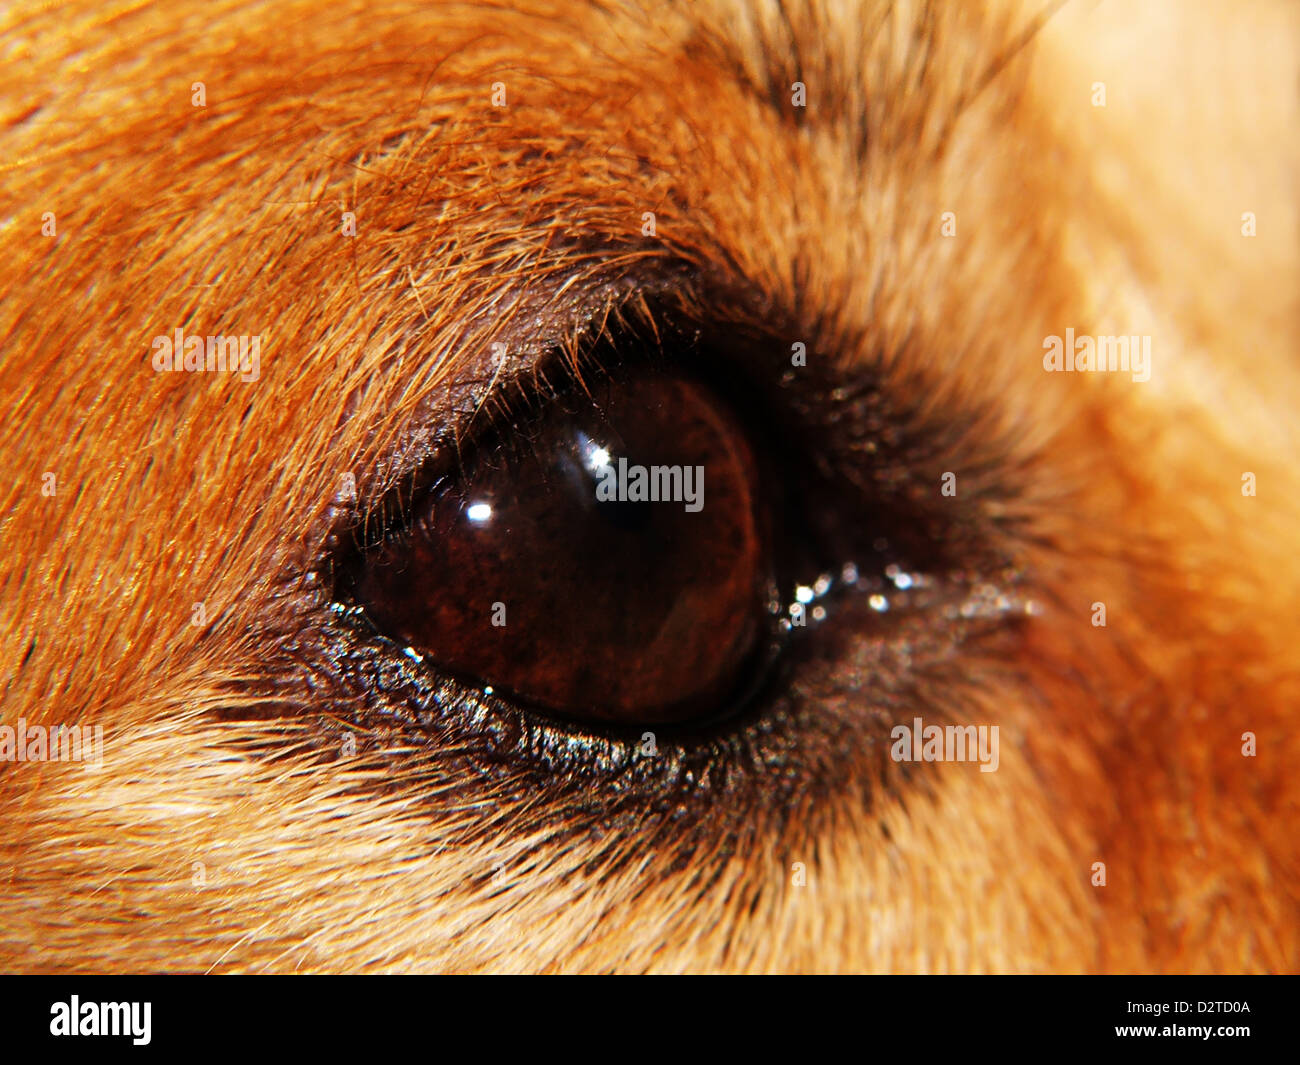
[(211, 183)]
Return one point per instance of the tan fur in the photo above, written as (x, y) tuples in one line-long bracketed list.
[(1121, 745)]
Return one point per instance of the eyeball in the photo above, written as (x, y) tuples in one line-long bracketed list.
[(612, 563)]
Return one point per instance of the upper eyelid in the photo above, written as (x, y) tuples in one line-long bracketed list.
[(467, 405), (405, 426), (550, 316)]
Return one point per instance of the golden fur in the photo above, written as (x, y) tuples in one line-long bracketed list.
[(1121, 744)]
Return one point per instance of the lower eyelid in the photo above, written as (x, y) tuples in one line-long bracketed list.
[(817, 733), (827, 733)]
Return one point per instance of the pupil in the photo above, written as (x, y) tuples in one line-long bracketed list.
[(612, 567)]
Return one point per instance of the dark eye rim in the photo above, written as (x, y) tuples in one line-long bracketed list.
[(371, 683)]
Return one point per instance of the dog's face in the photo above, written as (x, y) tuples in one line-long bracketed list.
[(387, 683)]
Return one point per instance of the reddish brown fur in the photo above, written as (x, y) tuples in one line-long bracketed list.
[(1121, 744)]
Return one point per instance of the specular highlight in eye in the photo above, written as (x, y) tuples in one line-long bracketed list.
[(614, 566)]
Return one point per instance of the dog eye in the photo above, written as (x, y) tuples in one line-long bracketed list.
[(611, 562), (660, 527)]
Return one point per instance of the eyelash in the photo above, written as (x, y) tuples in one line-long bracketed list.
[(390, 692)]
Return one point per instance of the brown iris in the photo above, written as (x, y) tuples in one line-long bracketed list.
[(608, 563)]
